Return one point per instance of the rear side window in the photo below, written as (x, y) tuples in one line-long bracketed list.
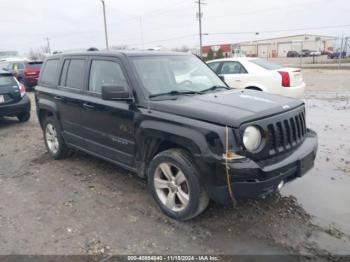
[(105, 73), (264, 64), (6, 80), (50, 72), (75, 73)]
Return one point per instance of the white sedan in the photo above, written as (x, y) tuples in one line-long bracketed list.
[(259, 74)]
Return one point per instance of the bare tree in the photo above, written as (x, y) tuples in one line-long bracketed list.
[(184, 48), (38, 54)]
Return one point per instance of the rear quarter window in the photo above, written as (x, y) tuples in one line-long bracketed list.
[(265, 64), (50, 72)]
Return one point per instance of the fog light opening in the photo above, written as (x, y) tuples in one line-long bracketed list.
[(280, 185)]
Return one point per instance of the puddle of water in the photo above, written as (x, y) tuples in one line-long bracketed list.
[(325, 191), (326, 199)]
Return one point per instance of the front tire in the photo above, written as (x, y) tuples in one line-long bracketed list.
[(54, 142), (175, 186)]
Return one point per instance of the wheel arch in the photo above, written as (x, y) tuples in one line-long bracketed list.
[(253, 86), (154, 137), (46, 108)]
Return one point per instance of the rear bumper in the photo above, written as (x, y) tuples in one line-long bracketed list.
[(16, 108), (30, 81), (294, 91), (257, 179)]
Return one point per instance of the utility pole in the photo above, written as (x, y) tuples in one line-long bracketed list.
[(105, 23), (141, 33), (48, 45), (200, 3), (341, 51)]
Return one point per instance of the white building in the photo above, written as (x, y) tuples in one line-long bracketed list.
[(279, 47)]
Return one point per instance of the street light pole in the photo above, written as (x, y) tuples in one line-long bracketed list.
[(105, 23)]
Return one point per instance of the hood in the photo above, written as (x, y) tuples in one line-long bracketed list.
[(230, 108)]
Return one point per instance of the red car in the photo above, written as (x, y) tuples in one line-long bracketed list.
[(26, 72)]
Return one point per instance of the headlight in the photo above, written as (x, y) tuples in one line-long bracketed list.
[(251, 138)]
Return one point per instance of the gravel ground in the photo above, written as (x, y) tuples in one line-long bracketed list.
[(82, 205)]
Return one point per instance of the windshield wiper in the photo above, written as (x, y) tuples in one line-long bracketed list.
[(214, 88), (175, 92)]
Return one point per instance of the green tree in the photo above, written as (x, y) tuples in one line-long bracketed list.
[(219, 54), (210, 55)]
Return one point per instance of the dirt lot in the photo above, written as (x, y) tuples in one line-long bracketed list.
[(82, 205)]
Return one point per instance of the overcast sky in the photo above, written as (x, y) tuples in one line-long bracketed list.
[(78, 24)]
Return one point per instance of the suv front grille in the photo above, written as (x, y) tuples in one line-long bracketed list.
[(287, 133), (282, 133)]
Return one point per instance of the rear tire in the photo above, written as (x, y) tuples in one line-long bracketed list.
[(174, 182), (54, 142), (24, 117)]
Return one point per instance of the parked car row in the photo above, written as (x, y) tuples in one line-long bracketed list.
[(26, 72), (304, 53), (312, 53)]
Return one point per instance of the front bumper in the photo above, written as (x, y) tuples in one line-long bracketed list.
[(252, 179), (16, 108)]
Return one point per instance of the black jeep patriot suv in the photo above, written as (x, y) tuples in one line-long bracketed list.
[(168, 118)]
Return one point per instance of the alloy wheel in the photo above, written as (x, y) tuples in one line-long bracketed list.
[(171, 187), (51, 138)]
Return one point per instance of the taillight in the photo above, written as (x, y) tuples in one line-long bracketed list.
[(29, 73), (22, 89), (285, 78)]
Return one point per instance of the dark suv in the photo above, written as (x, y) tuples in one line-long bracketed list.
[(168, 118)]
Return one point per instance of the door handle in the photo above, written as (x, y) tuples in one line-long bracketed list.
[(58, 98), (88, 106), (238, 80)]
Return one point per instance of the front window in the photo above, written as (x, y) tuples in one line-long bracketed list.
[(161, 74)]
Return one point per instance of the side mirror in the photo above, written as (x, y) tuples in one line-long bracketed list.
[(112, 92), (222, 77)]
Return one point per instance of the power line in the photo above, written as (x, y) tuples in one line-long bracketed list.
[(278, 31), (166, 40)]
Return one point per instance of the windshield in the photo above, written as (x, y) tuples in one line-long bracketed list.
[(163, 74), (6, 80), (264, 64), (4, 65)]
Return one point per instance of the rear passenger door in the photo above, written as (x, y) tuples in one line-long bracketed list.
[(234, 73), (108, 125), (70, 99)]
